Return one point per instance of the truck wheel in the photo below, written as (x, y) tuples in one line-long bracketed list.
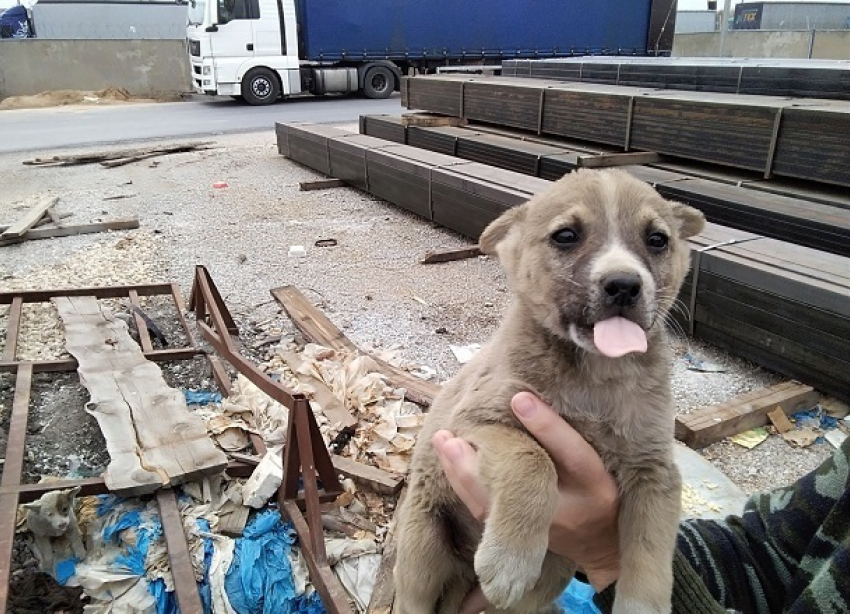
[(260, 86), (379, 82)]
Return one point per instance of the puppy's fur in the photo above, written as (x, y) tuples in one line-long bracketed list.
[(622, 406)]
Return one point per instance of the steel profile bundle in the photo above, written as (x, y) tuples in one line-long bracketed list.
[(812, 224), (783, 306), (799, 78), (801, 138)]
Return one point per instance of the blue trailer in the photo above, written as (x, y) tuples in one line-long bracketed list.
[(263, 49)]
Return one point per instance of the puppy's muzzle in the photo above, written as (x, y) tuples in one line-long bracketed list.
[(621, 290)]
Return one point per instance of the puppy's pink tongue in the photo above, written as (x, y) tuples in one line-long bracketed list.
[(618, 336)]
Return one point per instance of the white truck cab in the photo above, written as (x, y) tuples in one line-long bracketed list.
[(249, 49)]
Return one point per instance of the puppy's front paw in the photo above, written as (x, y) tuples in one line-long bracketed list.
[(507, 574)]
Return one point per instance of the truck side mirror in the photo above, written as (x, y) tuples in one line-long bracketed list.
[(212, 28)]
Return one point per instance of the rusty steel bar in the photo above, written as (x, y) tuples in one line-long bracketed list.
[(13, 328), (333, 595), (31, 492), (43, 296), (15, 447), (178, 553), (308, 475), (304, 452), (141, 325), (70, 364), (180, 306)]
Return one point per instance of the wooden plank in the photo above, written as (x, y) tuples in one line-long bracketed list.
[(451, 255), (618, 159), (322, 184), (185, 586), (383, 595), (333, 409), (232, 519), (152, 438), (378, 480), (29, 219), (316, 327), (707, 425), (70, 231), (430, 120), (92, 158), (48, 219)]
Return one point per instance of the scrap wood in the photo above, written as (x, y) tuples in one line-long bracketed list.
[(51, 218), (383, 594), (451, 255), (70, 231), (707, 425), (232, 518), (29, 219), (317, 328), (321, 184), (367, 476), (333, 409), (152, 438), (94, 158), (780, 421)]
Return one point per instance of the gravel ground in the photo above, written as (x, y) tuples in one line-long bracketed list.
[(370, 284)]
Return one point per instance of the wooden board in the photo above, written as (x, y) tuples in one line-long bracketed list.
[(316, 327), (152, 438), (29, 219), (70, 231), (367, 476), (333, 409), (707, 425)]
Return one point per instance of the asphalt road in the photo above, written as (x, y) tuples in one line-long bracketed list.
[(62, 127)]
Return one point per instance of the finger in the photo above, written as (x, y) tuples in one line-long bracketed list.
[(569, 450), (460, 464), (475, 602)]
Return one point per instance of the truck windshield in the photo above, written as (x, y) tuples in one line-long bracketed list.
[(197, 12)]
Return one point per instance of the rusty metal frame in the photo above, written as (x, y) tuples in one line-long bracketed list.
[(304, 456), (13, 493)]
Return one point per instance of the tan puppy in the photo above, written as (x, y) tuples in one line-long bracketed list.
[(594, 263)]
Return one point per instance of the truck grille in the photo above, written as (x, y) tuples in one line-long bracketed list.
[(194, 47)]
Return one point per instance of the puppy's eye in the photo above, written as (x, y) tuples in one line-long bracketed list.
[(657, 241), (565, 237)]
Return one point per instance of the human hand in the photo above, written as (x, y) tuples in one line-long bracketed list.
[(584, 528)]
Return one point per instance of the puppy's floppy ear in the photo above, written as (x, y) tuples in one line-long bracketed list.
[(498, 229), (34, 506), (690, 221)]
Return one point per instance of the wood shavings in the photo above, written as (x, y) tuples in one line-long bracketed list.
[(694, 504), (110, 262), (387, 424)]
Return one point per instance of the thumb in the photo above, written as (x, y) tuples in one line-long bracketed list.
[(572, 455)]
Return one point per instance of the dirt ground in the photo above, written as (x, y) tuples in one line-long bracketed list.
[(370, 284), (60, 98)]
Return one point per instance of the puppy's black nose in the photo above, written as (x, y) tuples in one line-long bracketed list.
[(622, 290)]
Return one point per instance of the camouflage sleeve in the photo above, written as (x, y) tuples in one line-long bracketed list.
[(788, 552)]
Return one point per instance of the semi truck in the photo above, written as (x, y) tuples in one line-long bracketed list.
[(262, 50)]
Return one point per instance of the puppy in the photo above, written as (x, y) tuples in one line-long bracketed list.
[(595, 264)]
